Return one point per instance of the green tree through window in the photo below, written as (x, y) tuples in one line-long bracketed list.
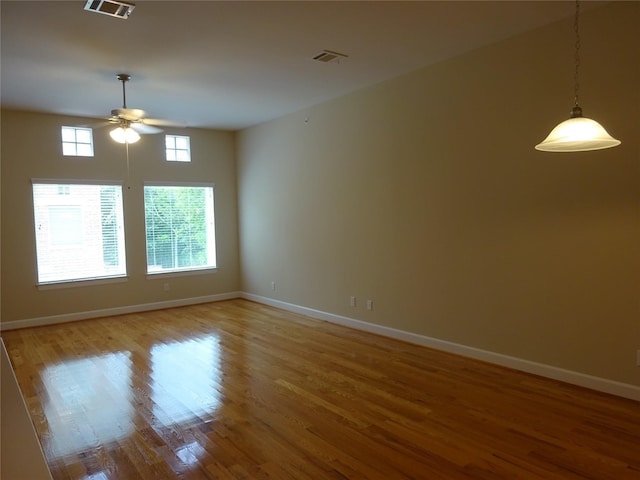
[(179, 228)]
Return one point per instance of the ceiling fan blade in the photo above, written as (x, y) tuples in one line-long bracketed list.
[(145, 129), (158, 122), (134, 117), (97, 125), (131, 114)]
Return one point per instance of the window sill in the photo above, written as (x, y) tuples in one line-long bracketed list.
[(181, 273), (80, 283)]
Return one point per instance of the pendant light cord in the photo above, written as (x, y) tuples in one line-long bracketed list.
[(576, 78)]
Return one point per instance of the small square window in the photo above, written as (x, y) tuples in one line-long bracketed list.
[(77, 142), (178, 149)]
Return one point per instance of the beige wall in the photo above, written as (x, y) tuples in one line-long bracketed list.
[(31, 149), (424, 194)]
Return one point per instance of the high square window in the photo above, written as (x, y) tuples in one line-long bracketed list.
[(178, 149), (77, 142)]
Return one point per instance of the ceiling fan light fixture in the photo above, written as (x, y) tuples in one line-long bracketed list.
[(124, 135), (130, 122)]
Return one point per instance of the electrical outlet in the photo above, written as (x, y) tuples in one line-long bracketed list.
[(166, 287), (369, 304), (352, 301), (273, 285)]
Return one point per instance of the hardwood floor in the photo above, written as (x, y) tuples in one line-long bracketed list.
[(238, 390)]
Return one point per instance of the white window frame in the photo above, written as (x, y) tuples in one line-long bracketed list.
[(175, 152), (118, 274), (153, 270), (73, 141)]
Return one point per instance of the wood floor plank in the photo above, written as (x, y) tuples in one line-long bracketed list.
[(239, 390)]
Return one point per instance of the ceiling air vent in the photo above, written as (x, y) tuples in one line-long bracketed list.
[(329, 56), (113, 8)]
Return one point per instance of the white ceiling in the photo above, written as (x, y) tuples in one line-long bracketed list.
[(229, 65)]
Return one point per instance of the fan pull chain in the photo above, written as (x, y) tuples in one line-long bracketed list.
[(126, 147)]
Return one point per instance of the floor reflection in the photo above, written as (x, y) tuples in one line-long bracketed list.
[(93, 404), (185, 379), (97, 476), (89, 402), (190, 454)]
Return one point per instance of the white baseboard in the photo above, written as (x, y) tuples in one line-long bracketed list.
[(108, 312), (576, 378)]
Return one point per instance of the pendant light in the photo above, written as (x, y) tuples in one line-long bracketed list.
[(578, 134)]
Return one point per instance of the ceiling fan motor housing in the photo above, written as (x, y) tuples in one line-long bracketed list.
[(131, 114)]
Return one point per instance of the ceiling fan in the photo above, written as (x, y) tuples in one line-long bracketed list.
[(131, 122)]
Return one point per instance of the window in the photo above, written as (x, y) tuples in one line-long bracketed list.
[(77, 142), (179, 223), (79, 232), (177, 148), (65, 225)]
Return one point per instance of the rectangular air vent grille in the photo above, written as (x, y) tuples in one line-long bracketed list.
[(113, 8), (329, 56)]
